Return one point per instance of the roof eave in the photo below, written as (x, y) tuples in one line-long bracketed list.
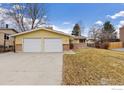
[(58, 32)]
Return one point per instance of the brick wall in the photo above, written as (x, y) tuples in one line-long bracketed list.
[(18, 47), (79, 45), (66, 47)]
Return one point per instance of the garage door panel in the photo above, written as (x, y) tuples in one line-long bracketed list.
[(53, 45), (32, 45)]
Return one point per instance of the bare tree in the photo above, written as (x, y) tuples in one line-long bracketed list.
[(2, 24), (94, 32), (103, 34), (28, 16)]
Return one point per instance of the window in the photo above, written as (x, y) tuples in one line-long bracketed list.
[(6, 36)]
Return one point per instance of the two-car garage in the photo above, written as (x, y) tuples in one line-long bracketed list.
[(42, 40), (42, 45)]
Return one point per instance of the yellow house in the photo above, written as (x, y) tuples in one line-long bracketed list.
[(42, 40)]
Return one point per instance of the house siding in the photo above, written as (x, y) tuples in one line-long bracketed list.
[(76, 41), (122, 35), (1, 38), (42, 34), (11, 39), (8, 31)]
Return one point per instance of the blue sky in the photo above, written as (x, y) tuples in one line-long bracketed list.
[(63, 16)]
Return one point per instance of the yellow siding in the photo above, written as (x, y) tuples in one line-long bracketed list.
[(76, 41), (42, 34)]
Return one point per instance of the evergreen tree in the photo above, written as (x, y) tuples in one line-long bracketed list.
[(76, 30), (108, 31)]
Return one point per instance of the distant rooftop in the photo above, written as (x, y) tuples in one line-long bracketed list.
[(80, 37), (9, 29)]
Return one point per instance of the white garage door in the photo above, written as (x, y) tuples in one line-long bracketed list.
[(32, 45), (53, 45)]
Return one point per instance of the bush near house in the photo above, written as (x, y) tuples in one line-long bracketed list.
[(104, 45), (94, 67)]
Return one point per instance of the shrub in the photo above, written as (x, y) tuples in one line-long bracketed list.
[(105, 45)]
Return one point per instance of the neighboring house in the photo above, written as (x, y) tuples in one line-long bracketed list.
[(90, 42), (80, 39), (78, 42), (5, 39), (42, 40), (122, 34)]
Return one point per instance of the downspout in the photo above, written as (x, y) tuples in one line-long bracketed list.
[(14, 45)]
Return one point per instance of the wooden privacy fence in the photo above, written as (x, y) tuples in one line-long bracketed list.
[(113, 45)]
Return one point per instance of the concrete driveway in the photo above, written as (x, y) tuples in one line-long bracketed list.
[(31, 68), (119, 49)]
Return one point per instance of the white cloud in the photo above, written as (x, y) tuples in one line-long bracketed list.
[(3, 15), (85, 33), (69, 30), (116, 15), (65, 30), (66, 23), (99, 22), (3, 10), (121, 24), (18, 7)]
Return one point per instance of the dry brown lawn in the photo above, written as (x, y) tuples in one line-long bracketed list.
[(92, 66)]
